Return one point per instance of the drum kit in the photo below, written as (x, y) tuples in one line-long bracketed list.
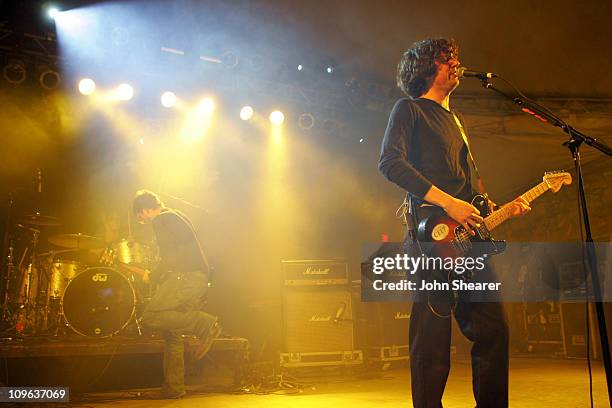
[(57, 293)]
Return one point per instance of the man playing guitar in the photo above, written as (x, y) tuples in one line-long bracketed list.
[(425, 151)]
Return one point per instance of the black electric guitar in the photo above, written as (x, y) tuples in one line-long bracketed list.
[(448, 238)]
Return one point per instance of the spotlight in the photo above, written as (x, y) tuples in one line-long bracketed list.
[(87, 86), (230, 60), (206, 105), (120, 36), (125, 92), (306, 121), (168, 99), (14, 72), (141, 141), (246, 113), (49, 79), (300, 67), (361, 140), (53, 12), (329, 69), (277, 117)]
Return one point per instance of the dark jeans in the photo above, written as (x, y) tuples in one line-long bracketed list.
[(430, 339), (174, 310)]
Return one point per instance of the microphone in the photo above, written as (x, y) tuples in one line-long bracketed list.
[(340, 312), (464, 72)]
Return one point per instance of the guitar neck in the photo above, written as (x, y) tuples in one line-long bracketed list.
[(501, 215)]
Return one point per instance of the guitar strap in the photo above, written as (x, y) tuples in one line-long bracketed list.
[(407, 212), (473, 169)]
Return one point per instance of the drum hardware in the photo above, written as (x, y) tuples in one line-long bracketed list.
[(27, 316), (10, 271)]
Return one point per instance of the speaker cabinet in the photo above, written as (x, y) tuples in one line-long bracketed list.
[(317, 319), (383, 324)]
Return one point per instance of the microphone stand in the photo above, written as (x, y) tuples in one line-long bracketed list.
[(576, 138)]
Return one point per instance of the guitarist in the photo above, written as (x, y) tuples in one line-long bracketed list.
[(425, 151), (182, 276)]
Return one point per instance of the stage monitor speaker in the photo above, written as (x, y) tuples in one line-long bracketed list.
[(317, 319)]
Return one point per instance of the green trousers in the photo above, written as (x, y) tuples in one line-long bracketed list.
[(174, 310)]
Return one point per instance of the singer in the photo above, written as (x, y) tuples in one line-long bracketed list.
[(425, 151)]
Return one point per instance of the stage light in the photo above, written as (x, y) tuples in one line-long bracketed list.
[(14, 72), (361, 140), (120, 36), (300, 67), (329, 70), (246, 113), (53, 12), (141, 141), (125, 92), (49, 79), (277, 117), (306, 121), (206, 105), (87, 86), (168, 99), (230, 60)]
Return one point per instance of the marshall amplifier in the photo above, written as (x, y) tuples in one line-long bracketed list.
[(314, 273), (383, 324), (317, 319)]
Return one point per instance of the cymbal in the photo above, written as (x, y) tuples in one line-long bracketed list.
[(38, 220), (60, 252), (76, 241)]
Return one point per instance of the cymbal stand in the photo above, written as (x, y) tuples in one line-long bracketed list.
[(10, 271), (29, 306), (8, 256)]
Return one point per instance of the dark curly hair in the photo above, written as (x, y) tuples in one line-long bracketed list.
[(417, 67), (145, 200)]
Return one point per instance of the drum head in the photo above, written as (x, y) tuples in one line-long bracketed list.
[(98, 302)]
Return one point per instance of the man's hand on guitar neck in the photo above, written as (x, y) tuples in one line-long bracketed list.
[(520, 206), (461, 211)]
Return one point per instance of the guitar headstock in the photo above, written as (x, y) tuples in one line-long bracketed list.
[(556, 179)]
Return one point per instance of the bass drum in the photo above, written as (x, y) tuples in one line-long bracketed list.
[(99, 302)]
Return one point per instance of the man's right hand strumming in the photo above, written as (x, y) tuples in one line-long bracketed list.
[(461, 211)]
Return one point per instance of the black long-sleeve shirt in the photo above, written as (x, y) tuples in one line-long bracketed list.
[(179, 248), (423, 146)]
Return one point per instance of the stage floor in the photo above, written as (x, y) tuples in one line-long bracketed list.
[(536, 383)]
